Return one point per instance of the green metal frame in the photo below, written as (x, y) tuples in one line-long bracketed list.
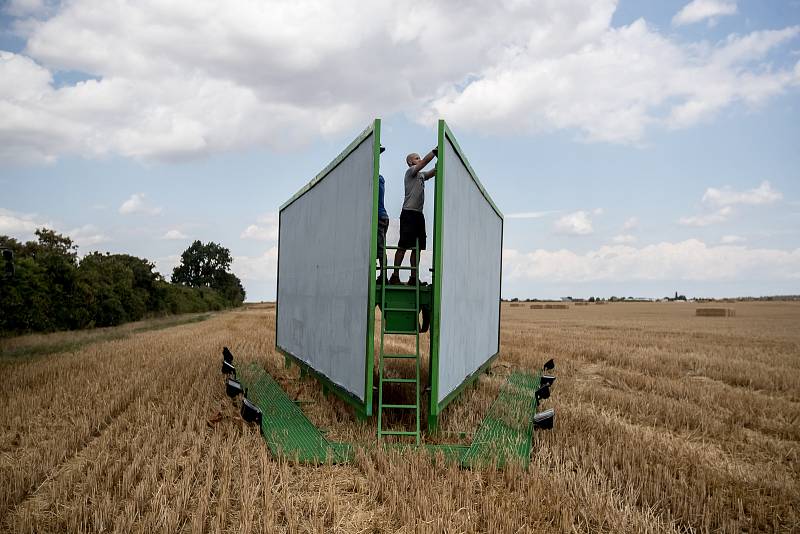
[(436, 407), (363, 409)]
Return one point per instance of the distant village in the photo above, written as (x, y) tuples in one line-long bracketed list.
[(674, 298)]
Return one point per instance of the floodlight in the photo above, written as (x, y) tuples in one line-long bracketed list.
[(233, 387), (543, 393), (546, 380), (227, 355), (549, 365), (228, 368), (544, 420), (250, 412)]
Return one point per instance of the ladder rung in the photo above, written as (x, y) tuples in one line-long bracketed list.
[(401, 406), (398, 267), (400, 309), (414, 356), (399, 248), (397, 433), (409, 332), (400, 380)]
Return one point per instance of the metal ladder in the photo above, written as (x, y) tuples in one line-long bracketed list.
[(384, 356)]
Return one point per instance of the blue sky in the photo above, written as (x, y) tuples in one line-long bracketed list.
[(635, 149)]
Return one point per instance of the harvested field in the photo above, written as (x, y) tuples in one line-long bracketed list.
[(715, 312), (665, 423)]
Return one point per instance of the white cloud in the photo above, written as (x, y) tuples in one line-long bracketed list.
[(259, 268), (763, 194), (266, 228), (631, 223), (165, 264), (24, 8), (577, 223), (723, 199), (698, 10), (177, 80), (731, 239), (598, 211), (87, 236), (685, 260), (20, 225), (618, 83), (624, 239), (718, 216), (136, 205), (174, 234), (529, 214)]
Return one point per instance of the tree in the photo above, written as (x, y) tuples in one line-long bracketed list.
[(208, 265)]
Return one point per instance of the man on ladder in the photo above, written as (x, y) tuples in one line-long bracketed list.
[(412, 220)]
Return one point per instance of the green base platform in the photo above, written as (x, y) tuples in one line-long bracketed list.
[(504, 436)]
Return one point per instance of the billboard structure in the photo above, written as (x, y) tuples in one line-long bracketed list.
[(326, 274), (468, 244), (326, 277)]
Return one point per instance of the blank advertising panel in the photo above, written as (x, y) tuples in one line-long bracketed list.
[(325, 266), (471, 241)]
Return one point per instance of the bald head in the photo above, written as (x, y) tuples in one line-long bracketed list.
[(412, 159)]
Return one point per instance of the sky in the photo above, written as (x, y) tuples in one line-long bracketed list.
[(634, 148)]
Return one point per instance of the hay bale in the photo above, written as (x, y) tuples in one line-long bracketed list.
[(515, 304), (536, 306), (599, 302), (581, 304), (556, 307), (715, 312)]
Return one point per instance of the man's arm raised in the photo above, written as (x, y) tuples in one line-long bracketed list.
[(424, 161)]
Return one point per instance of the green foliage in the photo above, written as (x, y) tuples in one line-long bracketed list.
[(207, 266), (51, 289)]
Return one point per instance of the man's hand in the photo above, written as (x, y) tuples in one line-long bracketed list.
[(435, 152)]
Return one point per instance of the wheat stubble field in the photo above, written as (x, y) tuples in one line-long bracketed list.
[(666, 422)]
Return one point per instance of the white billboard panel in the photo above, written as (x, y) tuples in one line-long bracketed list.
[(325, 266), (471, 241)]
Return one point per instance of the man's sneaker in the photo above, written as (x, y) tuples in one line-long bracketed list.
[(395, 280)]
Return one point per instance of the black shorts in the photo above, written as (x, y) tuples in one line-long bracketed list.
[(412, 227)]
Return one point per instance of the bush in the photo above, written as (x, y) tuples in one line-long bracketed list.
[(52, 290)]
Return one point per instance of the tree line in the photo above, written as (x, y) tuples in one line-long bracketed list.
[(45, 286)]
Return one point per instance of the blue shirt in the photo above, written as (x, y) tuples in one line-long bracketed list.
[(382, 214)]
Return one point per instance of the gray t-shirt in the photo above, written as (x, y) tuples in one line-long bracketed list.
[(415, 190)]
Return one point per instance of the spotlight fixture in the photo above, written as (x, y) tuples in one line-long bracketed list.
[(227, 355), (549, 365), (546, 380), (250, 412), (544, 420), (543, 393), (228, 368), (233, 387)]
